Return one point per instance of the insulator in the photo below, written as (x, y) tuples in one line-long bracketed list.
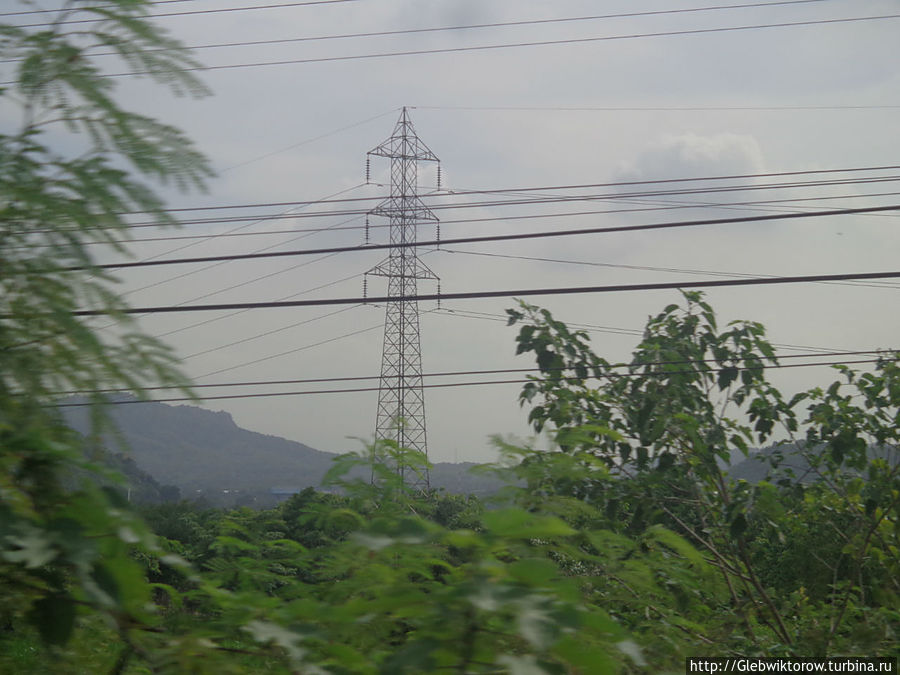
[(367, 229), (368, 169), (365, 287), (439, 294), (438, 234), (439, 177)]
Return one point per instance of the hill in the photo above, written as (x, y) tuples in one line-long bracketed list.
[(206, 455)]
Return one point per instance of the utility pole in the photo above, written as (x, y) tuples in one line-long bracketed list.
[(401, 399)]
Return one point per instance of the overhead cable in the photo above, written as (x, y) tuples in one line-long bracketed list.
[(465, 373), (294, 350), (659, 108), (501, 24), (767, 205), (646, 268), (576, 186), (665, 205), (59, 9), (522, 292), (816, 351), (443, 385), (512, 45), (255, 219), (219, 10), (594, 328), (266, 334), (241, 311), (755, 205), (301, 235), (528, 200), (494, 238)]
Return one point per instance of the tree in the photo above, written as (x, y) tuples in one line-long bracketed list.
[(72, 167), (651, 445), (70, 174)]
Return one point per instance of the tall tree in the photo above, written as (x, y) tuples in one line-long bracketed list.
[(74, 162), (650, 442)]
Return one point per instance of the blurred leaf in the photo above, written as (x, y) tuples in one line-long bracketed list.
[(521, 665), (516, 523), (54, 617), (633, 651), (33, 548), (589, 658)]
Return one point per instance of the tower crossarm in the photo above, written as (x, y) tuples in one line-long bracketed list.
[(415, 269), (404, 143), (410, 209)]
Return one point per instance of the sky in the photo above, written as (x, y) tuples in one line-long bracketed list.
[(614, 99)]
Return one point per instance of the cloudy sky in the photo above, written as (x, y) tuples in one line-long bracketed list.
[(655, 95)]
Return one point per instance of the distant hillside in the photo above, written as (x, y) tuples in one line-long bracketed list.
[(205, 454), (793, 464), (757, 466)]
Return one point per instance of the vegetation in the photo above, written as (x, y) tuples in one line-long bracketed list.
[(808, 563), (624, 550)]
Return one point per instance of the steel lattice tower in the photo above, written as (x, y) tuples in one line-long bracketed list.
[(401, 399)]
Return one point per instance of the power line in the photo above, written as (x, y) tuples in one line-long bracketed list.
[(668, 206), (503, 24), (754, 205), (359, 331), (259, 250), (527, 292), (309, 140), (594, 328), (256, 219), (501, 318), (646, 268), (268, 333), (820, 351), (510, 45), (575, 186), (247, 282), (60, 9), (593, 212), (494, 238), (220, 10), (716, 108), (817, 351), (232, 314), (290, 351), (462, 384), (521, 200), (460, 373)]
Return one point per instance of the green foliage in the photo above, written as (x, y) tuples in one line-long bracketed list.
[(649, 448), (69, 174), (599, 559), (63, 189), (406, 594), (669, 397), (624, 550)]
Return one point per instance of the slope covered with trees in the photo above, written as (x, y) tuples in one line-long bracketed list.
[(206, 455)]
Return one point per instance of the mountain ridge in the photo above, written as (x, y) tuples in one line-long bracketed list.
[(206, 454)]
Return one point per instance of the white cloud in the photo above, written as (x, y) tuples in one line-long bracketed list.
[(690, 155)]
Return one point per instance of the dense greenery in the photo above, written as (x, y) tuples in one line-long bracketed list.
[(71, 162), (625, 549), (809, 563)]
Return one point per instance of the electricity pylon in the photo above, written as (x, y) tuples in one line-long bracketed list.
[(401, 399)]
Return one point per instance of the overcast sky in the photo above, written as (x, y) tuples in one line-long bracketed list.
[(587, 111)]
